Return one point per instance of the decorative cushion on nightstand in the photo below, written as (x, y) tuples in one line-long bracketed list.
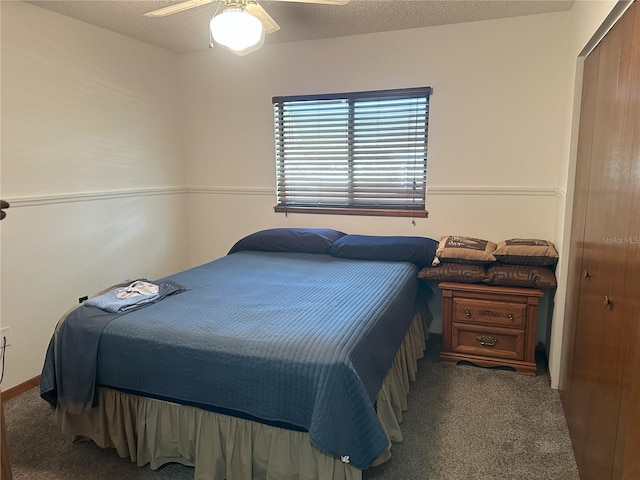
[(520, 276), (457, 249), (454, 272), (526, 251)]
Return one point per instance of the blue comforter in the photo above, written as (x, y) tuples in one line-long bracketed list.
[(298, 339)]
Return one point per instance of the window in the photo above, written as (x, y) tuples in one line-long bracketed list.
[(362, 153)]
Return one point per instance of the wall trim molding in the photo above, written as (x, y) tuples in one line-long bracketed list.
[(232, 190), (561, 193), (53, 199), (518, 191)]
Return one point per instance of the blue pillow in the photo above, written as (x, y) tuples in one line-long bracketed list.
[(304, 240), (418, 250)]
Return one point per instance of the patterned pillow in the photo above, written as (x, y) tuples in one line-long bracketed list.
[(456, 249), (520, 276), (454, 272), (526, 251)]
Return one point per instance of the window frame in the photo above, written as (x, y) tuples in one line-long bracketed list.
[(351, 97)]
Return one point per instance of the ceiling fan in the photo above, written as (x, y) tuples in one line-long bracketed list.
[(241, 25)]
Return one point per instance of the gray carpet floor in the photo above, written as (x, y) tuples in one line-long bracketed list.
[(463, 423)]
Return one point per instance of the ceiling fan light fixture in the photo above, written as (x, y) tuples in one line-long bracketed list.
[(236, 29)]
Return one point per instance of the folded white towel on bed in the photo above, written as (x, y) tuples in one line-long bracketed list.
[(136, 289), (133, 295)]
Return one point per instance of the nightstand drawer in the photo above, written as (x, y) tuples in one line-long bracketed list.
[(506, 343), (502, 314), (490, 326)]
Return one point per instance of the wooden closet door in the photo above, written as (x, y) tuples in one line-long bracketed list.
[(608, 309), (627, 465), (626, 461), (581, 190)]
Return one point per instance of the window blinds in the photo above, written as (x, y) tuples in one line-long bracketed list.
[(362, 150)]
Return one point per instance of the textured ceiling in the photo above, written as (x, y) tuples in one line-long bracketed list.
[(188, 31)]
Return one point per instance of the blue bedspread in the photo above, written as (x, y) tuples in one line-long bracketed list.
[(70, 379), (301, 339)]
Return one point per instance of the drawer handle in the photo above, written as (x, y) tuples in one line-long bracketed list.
[(487, 341), (467, 313), (510, 317)]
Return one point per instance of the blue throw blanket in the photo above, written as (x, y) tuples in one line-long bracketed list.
[(304, 340), (70, 376), (125, 297)]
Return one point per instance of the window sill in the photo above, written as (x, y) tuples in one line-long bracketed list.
[(365, 212)]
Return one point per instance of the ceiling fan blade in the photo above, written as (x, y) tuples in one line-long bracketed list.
[(268, 23), (323, 2), (178, 7)]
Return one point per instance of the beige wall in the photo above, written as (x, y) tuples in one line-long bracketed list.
[(497, 124), (92, 165), (103, 135)]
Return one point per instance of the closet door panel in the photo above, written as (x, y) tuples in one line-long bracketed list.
[(627, 453), (581, 188), (626, 463), (589, 332), (602, 306), (628, 468)]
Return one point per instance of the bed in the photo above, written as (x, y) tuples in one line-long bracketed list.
[(290, 357)]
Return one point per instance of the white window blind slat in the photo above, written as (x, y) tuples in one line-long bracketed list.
[(362, 150)]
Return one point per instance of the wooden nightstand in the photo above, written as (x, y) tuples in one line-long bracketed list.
[(489, 326)]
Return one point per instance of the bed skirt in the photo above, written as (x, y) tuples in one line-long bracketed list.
[(219, 447)]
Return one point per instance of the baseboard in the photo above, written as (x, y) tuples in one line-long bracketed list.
[(20, 388)]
